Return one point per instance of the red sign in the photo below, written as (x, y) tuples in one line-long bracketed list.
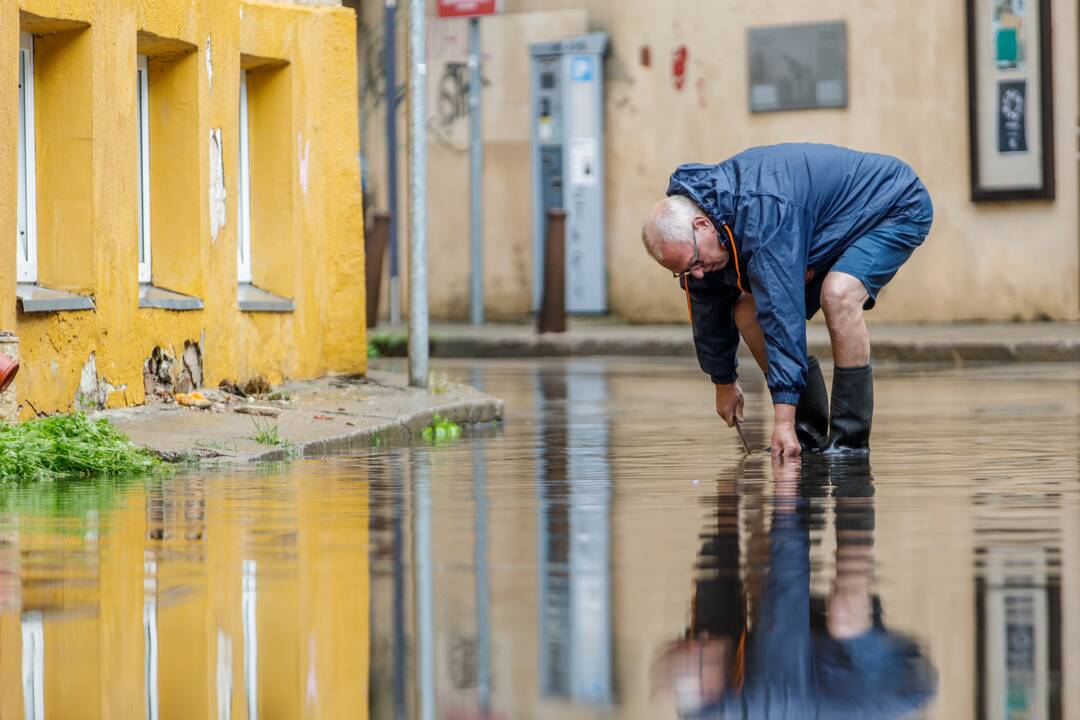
[(468, 8)]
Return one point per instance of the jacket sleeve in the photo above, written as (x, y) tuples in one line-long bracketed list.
[(777, 272), (716, 339)]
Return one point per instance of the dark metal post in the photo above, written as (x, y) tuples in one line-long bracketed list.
[(375, 240), (390, 64), (552, 317)]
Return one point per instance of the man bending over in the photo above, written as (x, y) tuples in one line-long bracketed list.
[(759, 243)]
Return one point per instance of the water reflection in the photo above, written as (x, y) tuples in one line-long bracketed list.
[(567, 549), (605, 545), (234, 596), (800, 655), (573, 481)]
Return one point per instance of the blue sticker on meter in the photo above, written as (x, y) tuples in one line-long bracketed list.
[(581, 68)]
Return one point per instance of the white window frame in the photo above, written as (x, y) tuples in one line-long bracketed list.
[(26, 233), (142, 86), (243, 230)]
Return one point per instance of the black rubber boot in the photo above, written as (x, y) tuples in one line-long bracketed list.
[(812, 412), (852, 410)]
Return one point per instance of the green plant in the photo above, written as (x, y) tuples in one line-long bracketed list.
[(280, 396), (438, 384), (441, 430), (266, 434), (373, 351), (72, 445), (377, 440), (389, 344)]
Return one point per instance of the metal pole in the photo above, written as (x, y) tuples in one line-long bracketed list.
[(476, 178), (390, 65), (418, 309)]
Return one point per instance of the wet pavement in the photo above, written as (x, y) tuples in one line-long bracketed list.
[(606, 551)]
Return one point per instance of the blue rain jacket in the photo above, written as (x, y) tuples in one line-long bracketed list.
[(792, 209)]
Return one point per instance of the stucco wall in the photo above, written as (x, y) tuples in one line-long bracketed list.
[(322, 237), (908, 97)]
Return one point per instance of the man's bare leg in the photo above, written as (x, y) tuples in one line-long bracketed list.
[(842, 299), (746, 321), (852, 402)]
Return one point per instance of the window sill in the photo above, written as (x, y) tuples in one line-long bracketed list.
[(32, 298), (162, 299), (253, 299)]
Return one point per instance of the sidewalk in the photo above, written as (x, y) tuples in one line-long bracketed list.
[(953, 343), (309, 417)]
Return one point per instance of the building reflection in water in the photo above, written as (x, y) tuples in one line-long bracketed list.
[(240, 597), (783, 652), (1018, 622), (574, 487)]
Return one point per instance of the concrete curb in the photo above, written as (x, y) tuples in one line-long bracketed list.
[(578, 344), (314, 417), (395, 432)]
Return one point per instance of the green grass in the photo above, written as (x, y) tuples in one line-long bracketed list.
[(441, 430), (69, 446), (267, 434)]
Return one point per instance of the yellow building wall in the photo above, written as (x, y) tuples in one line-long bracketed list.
[(88, 188)]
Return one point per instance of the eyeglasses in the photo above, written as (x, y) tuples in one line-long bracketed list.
[(695, 262)]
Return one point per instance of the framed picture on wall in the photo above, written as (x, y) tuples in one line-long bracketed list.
[(1010, 100)]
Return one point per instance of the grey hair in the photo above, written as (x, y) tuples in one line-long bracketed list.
[(670, 222)]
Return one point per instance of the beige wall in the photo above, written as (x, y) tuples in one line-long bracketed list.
[(907, 96)]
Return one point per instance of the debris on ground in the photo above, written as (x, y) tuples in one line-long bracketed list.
[(228, 386), (257, 385), (194, 399), (263, 410)]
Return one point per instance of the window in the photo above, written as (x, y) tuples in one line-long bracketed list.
[(141, 94), (26, 265), (243, 235), (265, 254)]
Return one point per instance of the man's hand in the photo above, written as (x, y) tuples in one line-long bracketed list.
[(784, 441), (729, 403)]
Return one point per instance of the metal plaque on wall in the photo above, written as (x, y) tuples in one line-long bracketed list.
[(794, 67)]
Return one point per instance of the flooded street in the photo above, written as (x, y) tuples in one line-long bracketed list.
[(606, 551)]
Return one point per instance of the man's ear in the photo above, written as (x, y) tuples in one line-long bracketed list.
[(702, 223)]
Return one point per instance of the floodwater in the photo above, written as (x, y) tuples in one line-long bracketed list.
[(606, 551)]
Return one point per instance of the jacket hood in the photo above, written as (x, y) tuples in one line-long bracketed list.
[(709, 187)]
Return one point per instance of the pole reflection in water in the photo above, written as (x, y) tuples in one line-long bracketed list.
[(574, 487), (425, 614), (800, 656), (480, 572), (401, 650)]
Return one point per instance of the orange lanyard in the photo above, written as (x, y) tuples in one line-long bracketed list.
[(735, 256)]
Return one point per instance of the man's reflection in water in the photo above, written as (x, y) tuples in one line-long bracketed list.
[(798, 658)]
